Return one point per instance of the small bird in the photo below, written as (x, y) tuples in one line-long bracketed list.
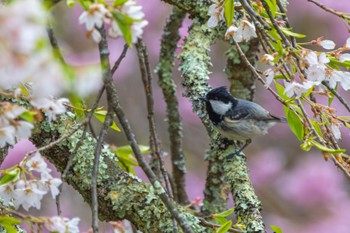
[(237, 119)]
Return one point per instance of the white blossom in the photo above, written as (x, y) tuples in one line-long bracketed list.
[(7, 135), (23, 129), (94, 17), (134, 11), (62, 225), (269, 75), (7, 192), (327, 44), (344, 57), (244, 32), (28, 195), (51, 107), (335, 128), (297, 89), (216, 14), (50, 183), (268, 59), (344, 79), (37, 163), (347, 44)]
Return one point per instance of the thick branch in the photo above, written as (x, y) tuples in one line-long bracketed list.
[(166, 82), (120, 195)]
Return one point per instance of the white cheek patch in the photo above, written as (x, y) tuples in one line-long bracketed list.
[(220, 107)]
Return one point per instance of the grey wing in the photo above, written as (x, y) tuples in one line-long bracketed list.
[(250, 110)]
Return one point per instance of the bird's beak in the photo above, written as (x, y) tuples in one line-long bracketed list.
[(203, 98)]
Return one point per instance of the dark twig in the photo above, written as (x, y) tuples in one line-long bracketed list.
[(336, 94), (253, 14), (275, 25), (165, 74), (54, 44), (113, 101), (94, 173), (330, 10), (121, 57), (154, 140)]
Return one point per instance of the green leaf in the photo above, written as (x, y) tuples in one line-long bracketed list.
[(273, 7), (229, 11), (335, 62), (8, 223), (295, 124), (119, 2), (124, 22), (288, 32), (224, 227), (326, 149), (28, 116), (128, 150), (101, 116), (10, 175), (78, 105), (226, 213), (316, 125), (85, 4), (70, 3), (276, 229), (280, 91)]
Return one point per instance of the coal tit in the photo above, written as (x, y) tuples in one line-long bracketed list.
[(237, 119)]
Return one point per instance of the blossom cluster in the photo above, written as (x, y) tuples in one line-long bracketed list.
[(61, 224), (24, 189), (244, 32), (128, 15), (12, 128)]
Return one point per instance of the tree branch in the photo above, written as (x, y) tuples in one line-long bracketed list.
[(165, 74)]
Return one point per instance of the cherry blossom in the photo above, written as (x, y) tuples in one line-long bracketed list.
[(327, 44), (94, 17), (347, 43), (62, 225), (335, 128), (52, 107), (269, 75), (244, 32), (37, 163), (7, 192), (297, 89), (344, 57), (131, 9), (216, 13), (28, 195)]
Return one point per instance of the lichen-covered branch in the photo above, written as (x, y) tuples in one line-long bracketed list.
[(166, 82), (195, 63), (120, 195)]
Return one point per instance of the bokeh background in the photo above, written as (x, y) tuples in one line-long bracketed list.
[(300, 191)]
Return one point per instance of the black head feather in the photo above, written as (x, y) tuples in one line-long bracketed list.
[(221, 93)]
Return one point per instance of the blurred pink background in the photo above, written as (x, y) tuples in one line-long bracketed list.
[(300, 192)]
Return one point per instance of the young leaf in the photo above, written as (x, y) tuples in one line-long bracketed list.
[(226, 213), (326, 149), (10, 175), (276, 229), (295, 124), (229, 11), (101, 116), (8, 223), (290, 33), (273, 7), (124, 22), (119, 2), (280, 91), (224, 227)]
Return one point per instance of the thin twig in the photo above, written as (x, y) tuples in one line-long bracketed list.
[(252, 13), (330, 10), (154, 140), (113, 101), (119, 60), (54, 44), (256, 74), (94, 173), (336, 94)]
